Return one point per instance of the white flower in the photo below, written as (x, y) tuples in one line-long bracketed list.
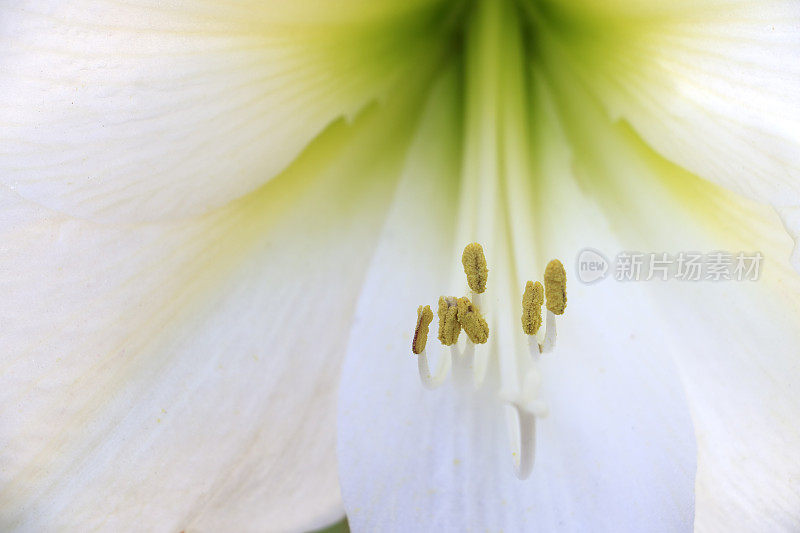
[(205, 206)]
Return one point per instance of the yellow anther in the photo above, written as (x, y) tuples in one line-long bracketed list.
[(449, 328), (471, 320), (475, 267), (424, 318), (555, 287), (532, 301)]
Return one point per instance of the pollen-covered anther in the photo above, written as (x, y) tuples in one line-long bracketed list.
[(474, 324), (555, 287), (532, 300), (449, 327), (475, 267), (424, 318)]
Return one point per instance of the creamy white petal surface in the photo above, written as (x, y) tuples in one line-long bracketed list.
[(182, 375), (616, 452), (116, 111), (735, 343), (712, 86), (737, 351)]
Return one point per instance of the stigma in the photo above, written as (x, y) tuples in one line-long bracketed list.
[(515, 352)]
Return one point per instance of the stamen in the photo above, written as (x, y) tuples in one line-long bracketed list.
[(549, 341), (534, 348), (474, 324), (555, 287), (424, 318), (475, 267), (449, 327), (430, 381), (520, 378), (532, 301)]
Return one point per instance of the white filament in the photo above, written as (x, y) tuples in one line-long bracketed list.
[(522, 434), (432, 381), (550, 333)]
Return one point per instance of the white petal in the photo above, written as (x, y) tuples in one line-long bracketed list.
[(737, 351), (735, 343), (712, 86), (182, 375), (617, 452), (141, 111)]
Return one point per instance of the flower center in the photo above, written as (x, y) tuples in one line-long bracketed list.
[(494, 210), (517, 357)]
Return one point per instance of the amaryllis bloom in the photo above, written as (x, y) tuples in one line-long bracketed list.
[(218, 221)]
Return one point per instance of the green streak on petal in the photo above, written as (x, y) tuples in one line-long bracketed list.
[(338, 527)]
